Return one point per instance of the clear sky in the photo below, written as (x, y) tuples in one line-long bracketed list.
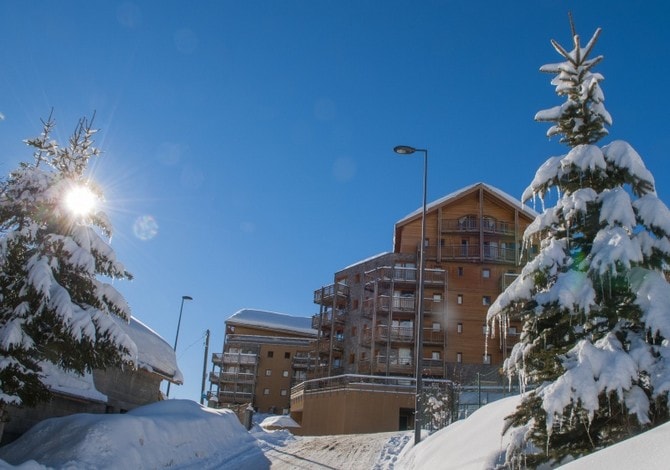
[(248, 144)]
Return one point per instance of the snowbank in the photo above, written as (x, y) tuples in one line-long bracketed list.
[(279, 421), (172, 433), (474, 443)]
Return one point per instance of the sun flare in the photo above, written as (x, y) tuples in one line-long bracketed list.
[(80, 200)]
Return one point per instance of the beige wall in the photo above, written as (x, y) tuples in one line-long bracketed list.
[(350, 411), (268, 396)]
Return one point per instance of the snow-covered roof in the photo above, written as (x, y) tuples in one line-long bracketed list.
[(456, 194), (153, 352), (379, 255), (273, 321)]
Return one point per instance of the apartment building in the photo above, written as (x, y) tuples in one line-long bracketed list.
[(367, 317), (264, 355)]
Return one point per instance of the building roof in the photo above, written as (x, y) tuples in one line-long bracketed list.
[(502, 195), (153, 352), (461, 192), (272, 321)]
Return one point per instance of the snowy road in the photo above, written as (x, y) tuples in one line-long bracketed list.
[(355, 452)]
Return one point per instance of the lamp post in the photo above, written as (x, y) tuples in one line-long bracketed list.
[(407, 150), (181, 309)]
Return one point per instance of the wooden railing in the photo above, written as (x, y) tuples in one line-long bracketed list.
[(329, 291), (473, 224)]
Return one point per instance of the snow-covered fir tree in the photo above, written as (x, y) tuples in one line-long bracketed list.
[(55, 303), (594, 301)]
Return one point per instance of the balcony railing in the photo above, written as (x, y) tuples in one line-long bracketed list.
[(231, 377), (328, 292), (325, 319), (397, 334), (473, 224), (238, 358), (302, 361), (324, 344), (400, 274), (471, 251), (227, 396), (433, 336)]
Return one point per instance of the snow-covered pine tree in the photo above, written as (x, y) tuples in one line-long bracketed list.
[(594, 301), (54, 304)]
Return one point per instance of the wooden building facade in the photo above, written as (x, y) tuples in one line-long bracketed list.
[(368, 316)]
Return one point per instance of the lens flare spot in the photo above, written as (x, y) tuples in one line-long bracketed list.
[(145, 227)]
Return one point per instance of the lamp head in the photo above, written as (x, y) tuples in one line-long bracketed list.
[(404, 149), (186, 297)]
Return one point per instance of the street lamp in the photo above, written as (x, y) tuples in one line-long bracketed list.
[(407, 150), (181, 309)]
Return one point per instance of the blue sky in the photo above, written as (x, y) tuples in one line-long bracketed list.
[(258, 135)]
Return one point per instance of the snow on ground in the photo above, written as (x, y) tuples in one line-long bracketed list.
[(181, 434), (172, 433)]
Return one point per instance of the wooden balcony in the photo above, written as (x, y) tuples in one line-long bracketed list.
[(432, 336), (324, 320), (302, 361), (232, 377), (475, 224), (472, 252), (402, 275), (237, 397), (396, 334), (323, 345), (395, 365), (331, 294), (235, 358)]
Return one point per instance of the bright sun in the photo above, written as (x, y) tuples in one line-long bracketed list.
[(80, 200)]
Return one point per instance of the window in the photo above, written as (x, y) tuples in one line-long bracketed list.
[(283, 392), (271, 354), (511, 331), (460, 271), (464, 248), (436, 326), (268, 372), (437, 297), (459, 357), (435, 355), (459, 299), (355, 304), (459, 328), (357, 278), (352, 358), (486, 300), (284, 373), (287, 355), (266, 391), (486, 273), (487, 359), (485, 329), (354, 331)]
